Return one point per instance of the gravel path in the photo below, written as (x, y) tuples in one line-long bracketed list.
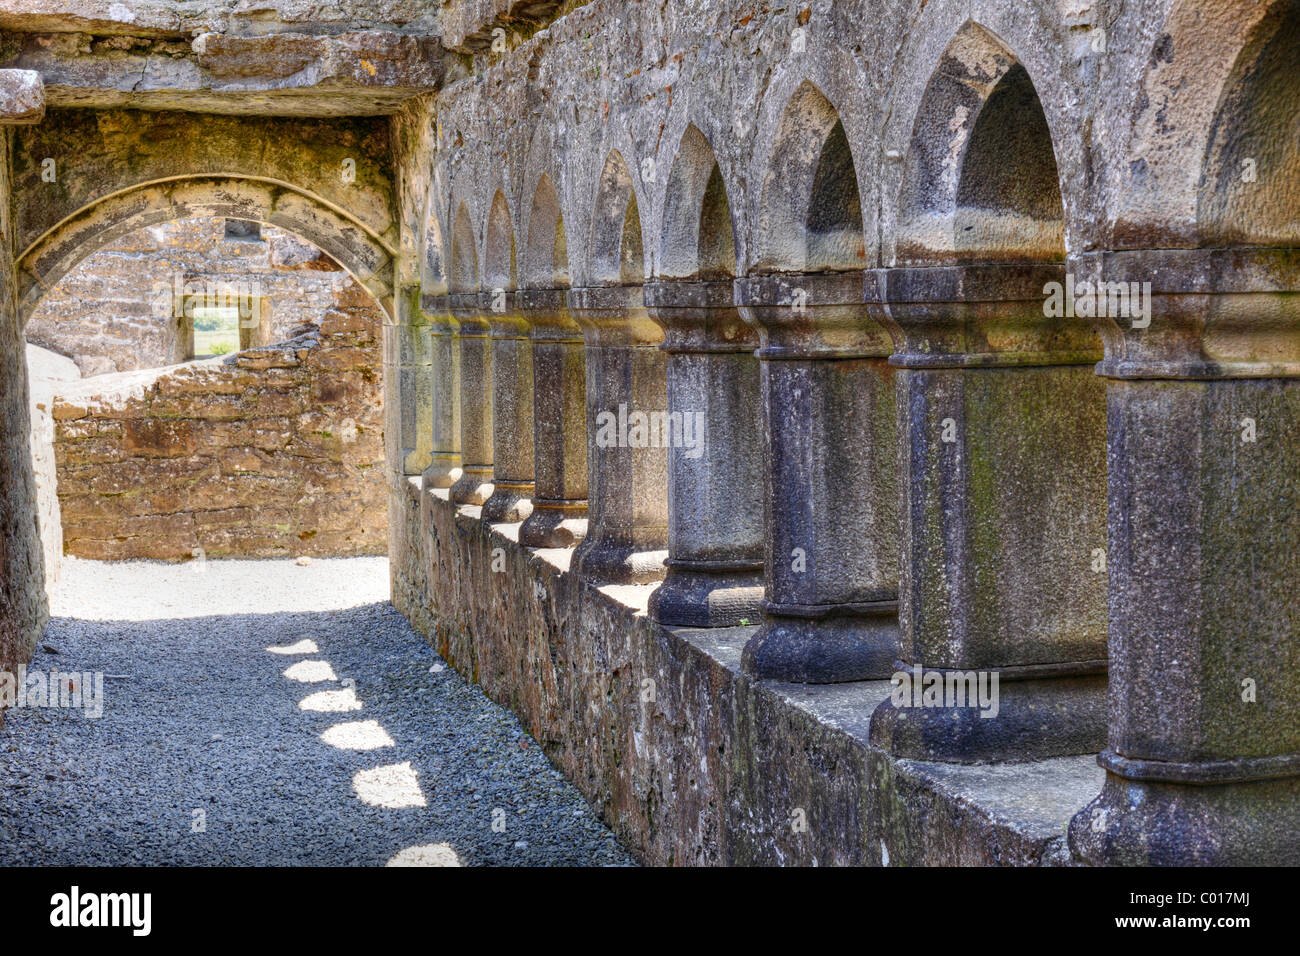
[(314, 726)]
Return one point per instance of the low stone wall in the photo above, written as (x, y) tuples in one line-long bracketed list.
[(689, 761), (272, 452)]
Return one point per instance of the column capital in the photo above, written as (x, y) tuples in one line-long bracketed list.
[(1207, 313), (614, 316), (810, 317), (547, 312), (958, 316), (437, 312), (471, 311), (505, 319), (699, 317)]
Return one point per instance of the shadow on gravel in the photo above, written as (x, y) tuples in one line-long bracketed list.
[(207, 755)]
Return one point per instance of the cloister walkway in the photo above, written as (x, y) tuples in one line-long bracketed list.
[(263, 712)]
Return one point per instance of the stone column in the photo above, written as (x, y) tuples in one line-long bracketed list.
[(445, 464), (474, 329), (831, 564), (1203, 435), (1004, 482), (512, 413), (715, 458), (559, 518), (627, 470), (408, 386)]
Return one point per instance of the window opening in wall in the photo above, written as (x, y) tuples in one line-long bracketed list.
[(245, 230), (216, 331)]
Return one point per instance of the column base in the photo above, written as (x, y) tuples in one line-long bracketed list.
[(709, 594), (511, 501), (824, 644), (443, 471), (603, 562), (1146, 823), (1028, 715), (554, 524), (474, 486)]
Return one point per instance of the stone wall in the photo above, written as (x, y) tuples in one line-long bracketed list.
[(23, 605), (687, 759), (275, 451), (47, 372), (113, 313)]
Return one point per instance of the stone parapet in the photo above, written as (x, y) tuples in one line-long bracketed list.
[(687, 759)]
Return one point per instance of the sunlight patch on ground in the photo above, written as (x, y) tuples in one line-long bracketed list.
[(109, 590), (311, 672), (357, 735), (433, 854), (395, 786), (305, 646), (331, 701)]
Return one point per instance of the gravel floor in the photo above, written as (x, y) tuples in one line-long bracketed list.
[(213, 749)]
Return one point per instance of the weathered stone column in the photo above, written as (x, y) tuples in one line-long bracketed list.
[(831, 564), (445, 464), (715, 458), (1203, 433), (627, 469), (559, 517), (1004, 482), (512, 413), (476, 422), (408, 386)]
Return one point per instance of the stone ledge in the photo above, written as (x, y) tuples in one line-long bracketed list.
[(713, 769)]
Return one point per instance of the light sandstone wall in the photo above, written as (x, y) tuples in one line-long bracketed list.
[(112, 313), (47, 371), (272, 452)]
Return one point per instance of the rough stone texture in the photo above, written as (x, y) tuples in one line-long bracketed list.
[(685, 758), (281, 74), (22, 97), (275, 451), (715, 461), (24, 608), (559, 516), (90, 177), (115, 311)]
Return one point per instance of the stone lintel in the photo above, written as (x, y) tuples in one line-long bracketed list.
[(368, 72)]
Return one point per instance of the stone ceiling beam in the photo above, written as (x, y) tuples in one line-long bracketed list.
[(362, 73)]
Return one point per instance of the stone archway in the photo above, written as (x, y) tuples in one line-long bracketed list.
[(365, 256)]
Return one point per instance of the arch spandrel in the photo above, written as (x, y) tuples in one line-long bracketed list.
[(96, 154)]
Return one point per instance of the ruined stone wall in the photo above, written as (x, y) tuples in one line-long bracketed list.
[(276, 451), (113, 313)]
